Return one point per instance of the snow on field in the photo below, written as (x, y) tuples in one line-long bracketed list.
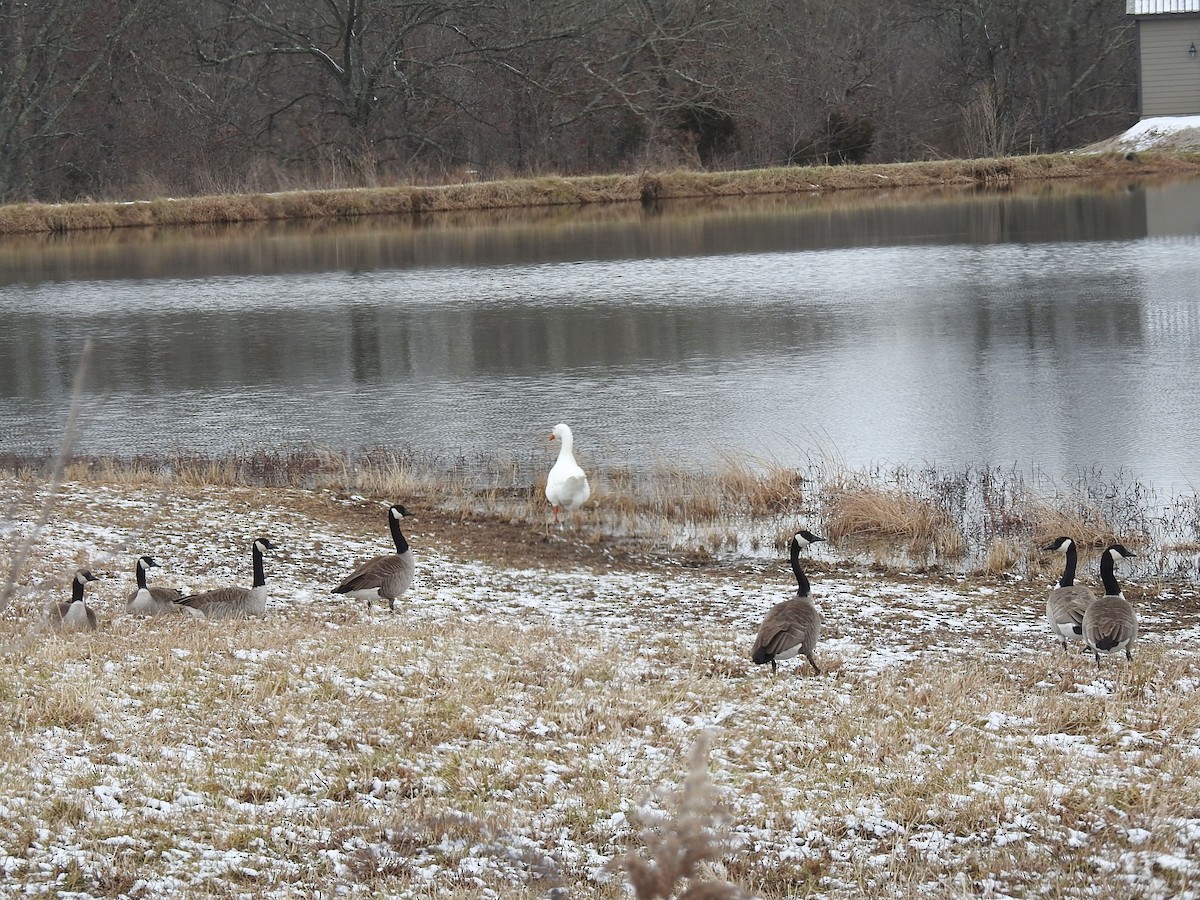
[(498, 736)]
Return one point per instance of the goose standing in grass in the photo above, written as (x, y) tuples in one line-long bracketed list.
[(151, 601), (1110, 625), (386, 577), (1068, 601), (74, 615), (792, 627), (567, 485), (235, 602)]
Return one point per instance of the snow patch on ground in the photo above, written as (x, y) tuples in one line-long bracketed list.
[(1155, 133)]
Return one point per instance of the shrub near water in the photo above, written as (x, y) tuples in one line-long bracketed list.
[(881, 514)]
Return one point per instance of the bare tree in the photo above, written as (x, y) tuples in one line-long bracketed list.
[(672, 72), (351, 78), (50, 55), (1081, 76), (523, 100), (1021, 72), (141, 97), (821, 64)]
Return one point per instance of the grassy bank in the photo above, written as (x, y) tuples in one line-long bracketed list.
[(30, 218), (526, 722), (988, 520)]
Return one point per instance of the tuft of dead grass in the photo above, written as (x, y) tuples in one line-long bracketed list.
[(1001, 555), (681, 841), (867, 512), (1080, 520)]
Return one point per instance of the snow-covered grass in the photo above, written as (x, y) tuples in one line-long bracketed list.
[(511, 729)]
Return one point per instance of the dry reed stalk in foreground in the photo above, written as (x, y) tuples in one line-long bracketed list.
[(20, 553), (681, 841)]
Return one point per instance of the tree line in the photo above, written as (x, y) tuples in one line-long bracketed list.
[(135, 98)]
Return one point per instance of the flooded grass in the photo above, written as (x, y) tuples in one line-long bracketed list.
[(981, 519)]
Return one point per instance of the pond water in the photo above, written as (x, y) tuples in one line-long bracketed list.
[(1055, 330)]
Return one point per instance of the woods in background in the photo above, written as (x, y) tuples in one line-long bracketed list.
[(134, 98)]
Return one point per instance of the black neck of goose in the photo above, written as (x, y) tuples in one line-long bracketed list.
[(77, 590), (260, 576), (394, 524), (1068, 578), (1109, 576), (141, 576), (802, 585)]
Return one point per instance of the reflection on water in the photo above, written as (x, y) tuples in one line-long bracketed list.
[(1048, 331)]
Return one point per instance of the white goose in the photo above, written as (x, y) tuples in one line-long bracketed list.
[(566, 485)]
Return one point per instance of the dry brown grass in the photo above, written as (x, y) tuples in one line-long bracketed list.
[(861, 511), (1083, 522), (518, 730), (1001, 555), (26, 218)]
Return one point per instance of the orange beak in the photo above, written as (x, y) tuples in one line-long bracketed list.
[(551, 437)]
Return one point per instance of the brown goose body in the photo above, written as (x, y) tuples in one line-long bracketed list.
[(387, 577), (793, 627), (234, 602), (1110, 624), (151, 601), (1067, 602), (74, 615)]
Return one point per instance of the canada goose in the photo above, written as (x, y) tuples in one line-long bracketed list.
[(234, 602), (1068, 601), (150, 601), (1109, 625), (793, 626), (75, 615), (385, 577), (567, 485)]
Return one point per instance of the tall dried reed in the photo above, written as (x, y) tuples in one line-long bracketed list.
[(682, 841)]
